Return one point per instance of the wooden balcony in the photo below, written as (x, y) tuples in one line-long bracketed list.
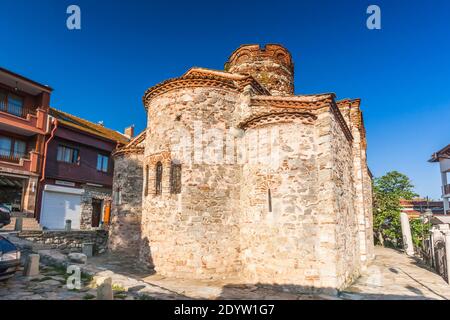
[(24, 119)]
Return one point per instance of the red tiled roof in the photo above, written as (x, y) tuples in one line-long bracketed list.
[(87, 126)]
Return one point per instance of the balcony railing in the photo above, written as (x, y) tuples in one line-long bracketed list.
[(26, 162), (7, 155), (19, 111), (446, 189)]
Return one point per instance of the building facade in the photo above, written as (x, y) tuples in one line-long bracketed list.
[(125, 230), (443, 158), (53, 166), (24, 106), (245, 181), (76, 183)]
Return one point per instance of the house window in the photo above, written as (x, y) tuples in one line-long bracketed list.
[(5, 146), (15, 105), (20, 149), (158, 178), (11, 103), (3, 101), (12, 148), (175, 178), (67, 154), (102, 163)]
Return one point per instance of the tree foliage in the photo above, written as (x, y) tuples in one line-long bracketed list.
[(388, 190)]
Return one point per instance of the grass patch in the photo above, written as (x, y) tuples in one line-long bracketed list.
[(118, 288), (86, 277)]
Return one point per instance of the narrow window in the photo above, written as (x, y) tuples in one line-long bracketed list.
[(175, 178), (102, 163), (146, 181), (118, 197), (269, 195), (158, 178)]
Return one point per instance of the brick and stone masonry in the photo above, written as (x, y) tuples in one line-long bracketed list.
[(304, 223), (125, 230)]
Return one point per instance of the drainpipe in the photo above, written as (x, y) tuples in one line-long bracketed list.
[(52, 134), (44, 163)]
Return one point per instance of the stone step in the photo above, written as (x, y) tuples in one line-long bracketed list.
[(28, 224)]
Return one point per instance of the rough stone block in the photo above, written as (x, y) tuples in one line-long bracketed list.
[(104, 289), (77, 258), (31, 266), (19, 224), (88, 249)]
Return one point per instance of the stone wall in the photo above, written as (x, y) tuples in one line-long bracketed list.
[(30, 194), (68, 241), (195, 233), (278, 245), (125, 228), (347, 248), (91, 192), (302, 220)]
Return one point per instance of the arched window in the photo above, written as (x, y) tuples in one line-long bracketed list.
[(158, 178), (175, 178)]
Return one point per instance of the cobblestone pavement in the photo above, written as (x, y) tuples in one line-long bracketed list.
[(393, 275), (49, 285)]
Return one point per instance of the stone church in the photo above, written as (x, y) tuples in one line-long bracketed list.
[(238, 179)]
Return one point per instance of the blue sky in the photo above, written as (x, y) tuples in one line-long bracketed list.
[(401, 73)]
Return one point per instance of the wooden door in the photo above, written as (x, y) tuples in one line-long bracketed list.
[(96, 212)]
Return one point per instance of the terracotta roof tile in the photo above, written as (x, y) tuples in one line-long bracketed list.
[(135, 146), (87, 126)]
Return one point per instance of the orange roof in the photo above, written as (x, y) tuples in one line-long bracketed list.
[(87, 126), (135, 146)]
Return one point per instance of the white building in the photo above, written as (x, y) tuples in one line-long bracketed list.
[(443, 157)]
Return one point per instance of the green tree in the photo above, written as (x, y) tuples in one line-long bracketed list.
[(388, 190)]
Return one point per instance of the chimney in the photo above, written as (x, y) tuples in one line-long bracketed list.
[(129, 132)]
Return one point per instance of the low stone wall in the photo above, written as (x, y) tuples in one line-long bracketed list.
[(68, 241)]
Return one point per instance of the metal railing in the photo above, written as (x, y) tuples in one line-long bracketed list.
[(19, 111), (7, 155)]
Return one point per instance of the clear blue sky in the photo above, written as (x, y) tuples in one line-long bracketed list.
[(401, 73)]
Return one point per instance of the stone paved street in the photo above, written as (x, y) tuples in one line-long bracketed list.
[(49, 285), (394, 275)]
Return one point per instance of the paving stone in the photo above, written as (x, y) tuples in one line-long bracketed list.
[(393, 276), (51, 282)]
